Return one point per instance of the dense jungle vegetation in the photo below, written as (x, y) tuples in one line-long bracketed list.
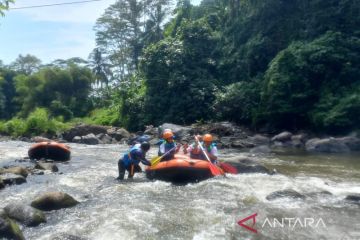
[(269, 65)]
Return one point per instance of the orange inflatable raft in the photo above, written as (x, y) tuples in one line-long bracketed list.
[(50, 150), (181, 169)]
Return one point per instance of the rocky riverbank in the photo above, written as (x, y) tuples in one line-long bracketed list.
[(227, 135)]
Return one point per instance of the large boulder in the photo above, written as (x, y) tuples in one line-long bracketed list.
[(151, 130), (83, 130), (258, 139), (353, 198), (118, 133), (261, 149), (90, 139), (47, 166), (27, 215), (327, 145), (288, 193), (282, 137), (179, 131), (15, 170), (11, 179), (353, 143), (104, 138), (242, 143), (249, 166), (54, 201), (8, 228)]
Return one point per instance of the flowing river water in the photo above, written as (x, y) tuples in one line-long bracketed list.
[(142, 209)]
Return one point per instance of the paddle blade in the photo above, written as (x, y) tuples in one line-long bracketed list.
[(214, 170), (155, 161), (228, 168)]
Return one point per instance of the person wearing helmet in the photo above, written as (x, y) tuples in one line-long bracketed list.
[(167, 145), (131, 159), (208, 145)]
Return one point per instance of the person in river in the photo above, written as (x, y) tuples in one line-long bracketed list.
[(208, 145), (168, 144), (131, 159)]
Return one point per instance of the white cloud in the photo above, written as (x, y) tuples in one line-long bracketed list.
[(78, 13)]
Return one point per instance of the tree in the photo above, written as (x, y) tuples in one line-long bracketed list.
[(4, 5), (121, 32), (100, 68), (26, 64)]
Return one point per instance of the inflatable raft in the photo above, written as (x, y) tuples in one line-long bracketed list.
[(50, 150), (181, 169)]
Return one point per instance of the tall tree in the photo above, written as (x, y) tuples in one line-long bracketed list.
[(100, 68), (27, 64)]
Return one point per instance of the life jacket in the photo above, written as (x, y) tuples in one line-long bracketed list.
[(168, 146), (200, 155), (128, 160)]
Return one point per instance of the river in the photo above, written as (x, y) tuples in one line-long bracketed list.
[(141, 209)]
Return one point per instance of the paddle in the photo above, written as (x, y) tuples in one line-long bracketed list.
[(228, 168), (156, 160), (214, 170)]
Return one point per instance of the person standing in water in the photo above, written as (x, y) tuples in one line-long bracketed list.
[(131, 160)]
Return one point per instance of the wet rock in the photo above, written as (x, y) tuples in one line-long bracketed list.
[(242, 143), (76, 139), (66, 236), (8, 228), (319, 194), (47, 166), (354, 198), (38, 139), (104, 138), (222, 129), (261, 149), (282, 137), (249, 166), (300, 138), (139, 139), (54, 201), (226, 141), (118, 133), (2, 184), (27, 215), (11, 179), (327, 145), (353, 143), (90, 139), (83, 130), (15, 170), (260, 140), (151, 130), (154, 141), (179, 131), (289, 193)]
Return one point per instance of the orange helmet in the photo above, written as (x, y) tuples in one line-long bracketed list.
[(208, 138), (168, 134)]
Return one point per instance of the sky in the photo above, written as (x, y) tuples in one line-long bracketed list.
[(50, 33)]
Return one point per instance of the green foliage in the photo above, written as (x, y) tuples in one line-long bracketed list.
[(64, 91), (15, 127), (4, 5), (180, 76), (37, 123), (237, 102), (105, 116), (309, 76)]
